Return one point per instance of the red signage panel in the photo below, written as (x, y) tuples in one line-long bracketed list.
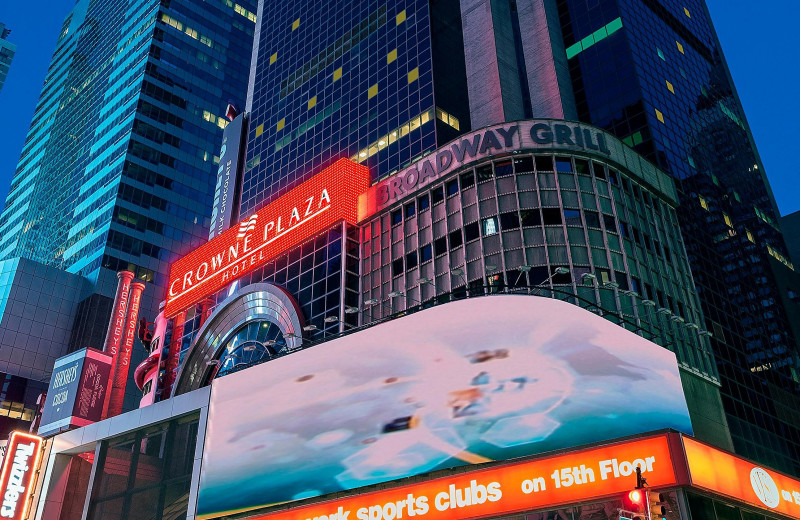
[(324, 200), (16, 479), (729, 475)]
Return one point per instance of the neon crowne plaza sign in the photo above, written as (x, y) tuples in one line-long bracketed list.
[(314, 206), (16, 480)]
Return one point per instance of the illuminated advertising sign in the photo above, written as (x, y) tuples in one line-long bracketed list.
[(324, 200), (540, 134), (544, 483), (228, 176), (16, 479), (471, 381), (726, 474), (77, 391)]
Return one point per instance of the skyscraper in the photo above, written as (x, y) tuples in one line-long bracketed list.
[(406, 78), (119, 165), (653, 73), (7, 50)]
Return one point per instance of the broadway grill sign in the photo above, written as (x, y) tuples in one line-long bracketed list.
[(539, 134), (326, 199), (16, 479)]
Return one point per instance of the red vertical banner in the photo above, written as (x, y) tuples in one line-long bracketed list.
[(171, 370), (117, 322), (116, 326), (124, 358)]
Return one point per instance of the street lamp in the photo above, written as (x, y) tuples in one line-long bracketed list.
[(556, 271), (523, 269)]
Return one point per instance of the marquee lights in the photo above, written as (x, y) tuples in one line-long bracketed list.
[(314, 206), (16, 481)]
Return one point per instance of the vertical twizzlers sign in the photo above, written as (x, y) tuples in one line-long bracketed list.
[(16, 479), (328, 198)]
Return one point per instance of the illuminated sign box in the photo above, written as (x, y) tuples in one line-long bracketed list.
[(729, 475), (469, 382), (76, 392), (16, 479), (328, 198)]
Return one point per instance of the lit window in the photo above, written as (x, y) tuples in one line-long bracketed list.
[(312, 102), (687, 13), (447, 118), (750, 236), (489, 226), (384, 141), (373, 91), (670, 87), (296, 24), (337, 74), (727, 219), (391, 56), (703, 203), (599, 35), (281, 124), (413, 75), (273, 58), (680, 47), (659, 115), (401, 17), (259, 129)]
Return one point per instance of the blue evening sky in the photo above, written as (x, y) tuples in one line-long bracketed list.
[(758, 38)]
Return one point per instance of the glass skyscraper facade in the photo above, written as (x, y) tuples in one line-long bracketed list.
[(385, 84), (653, 73), (7, 51), (119, 166), (349, 80)]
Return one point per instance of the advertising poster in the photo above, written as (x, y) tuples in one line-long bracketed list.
[(77, 391), (468, 382)]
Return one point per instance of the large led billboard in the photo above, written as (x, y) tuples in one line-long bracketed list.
[(549, 482), (467, 382)]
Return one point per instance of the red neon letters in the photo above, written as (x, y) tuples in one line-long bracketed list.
[(329, 197), (16, 481)]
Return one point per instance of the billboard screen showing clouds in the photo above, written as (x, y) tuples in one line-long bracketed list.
[(472, 381)]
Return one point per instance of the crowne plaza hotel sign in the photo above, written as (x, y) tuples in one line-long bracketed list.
[(326, 199)]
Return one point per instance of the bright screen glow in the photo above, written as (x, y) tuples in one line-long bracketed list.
[(329, 197), (467, 382)]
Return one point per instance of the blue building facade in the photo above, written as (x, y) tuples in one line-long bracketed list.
[(119, 166)]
